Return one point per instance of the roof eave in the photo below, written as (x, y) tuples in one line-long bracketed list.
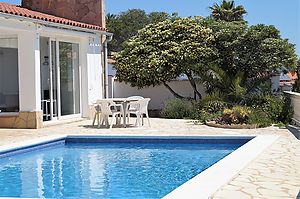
[(56, 25)]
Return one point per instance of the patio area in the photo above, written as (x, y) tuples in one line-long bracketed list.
[(273, 174)]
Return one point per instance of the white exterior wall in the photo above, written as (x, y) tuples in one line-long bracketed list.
[(29, 61), (92, 88), (29, 71), (159, 94), (295, 97)]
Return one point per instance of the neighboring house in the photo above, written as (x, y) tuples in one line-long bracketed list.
[(287, 80), (51, 67)]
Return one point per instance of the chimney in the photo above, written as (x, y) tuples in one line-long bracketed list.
[(86, 11)]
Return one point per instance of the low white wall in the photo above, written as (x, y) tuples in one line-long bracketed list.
[(159, 94), (295, 97)]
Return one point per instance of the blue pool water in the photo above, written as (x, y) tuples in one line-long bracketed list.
[(121, 169)]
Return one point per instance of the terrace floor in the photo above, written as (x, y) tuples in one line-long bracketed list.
[(273, 174)]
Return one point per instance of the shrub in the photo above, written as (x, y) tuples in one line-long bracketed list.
[(277, 108), (211, 104), (205, 116), (177, 109), (235, 115), (209, 108), (259, 118)]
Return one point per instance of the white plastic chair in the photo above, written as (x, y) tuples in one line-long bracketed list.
[(108, 107), (132, 106), (140, 109)]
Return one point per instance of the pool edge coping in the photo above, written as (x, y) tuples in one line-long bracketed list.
[(45, 140), (205, 184)]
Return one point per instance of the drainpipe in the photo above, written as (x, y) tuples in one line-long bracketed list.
[(107, 39)]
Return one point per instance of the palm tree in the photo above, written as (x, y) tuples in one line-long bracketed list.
[(232, 87), (227, 11)]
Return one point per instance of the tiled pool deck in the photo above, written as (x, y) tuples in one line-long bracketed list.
[(273, 174)]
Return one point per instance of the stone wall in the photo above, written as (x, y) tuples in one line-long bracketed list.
[(87, 11), (23, 120)]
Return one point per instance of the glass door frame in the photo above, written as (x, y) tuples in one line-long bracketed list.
[(57, 65), (51, 86)]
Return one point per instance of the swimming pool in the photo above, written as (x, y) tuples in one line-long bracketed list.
[(109, 167)]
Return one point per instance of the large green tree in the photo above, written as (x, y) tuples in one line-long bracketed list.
[(163, 51), (127, 24), (222, 51), (227, 11), (247, 57)]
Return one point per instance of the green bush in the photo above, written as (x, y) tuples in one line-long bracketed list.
[(211, 104), (259, 118), (209, 108), (277, 108), (235, 115), (205, 116), (177, 109), (260, 109)]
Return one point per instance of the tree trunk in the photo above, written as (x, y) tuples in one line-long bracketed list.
[(173, 92), (193, 84)]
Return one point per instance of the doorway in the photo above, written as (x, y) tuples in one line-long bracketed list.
[(60, 79)]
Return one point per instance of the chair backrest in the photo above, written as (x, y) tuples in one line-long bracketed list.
[(143, 108), (105, 106), (135, 97), (134, 104)]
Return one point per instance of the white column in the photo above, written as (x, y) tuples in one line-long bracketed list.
[(29, 71), (84, 46), (91, 70)]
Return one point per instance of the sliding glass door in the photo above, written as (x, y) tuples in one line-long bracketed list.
[(60, 78), (69, 78)]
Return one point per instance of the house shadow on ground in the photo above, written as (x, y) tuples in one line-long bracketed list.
[(105, 127)]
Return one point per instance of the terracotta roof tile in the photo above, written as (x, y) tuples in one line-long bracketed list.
[(19, 11)]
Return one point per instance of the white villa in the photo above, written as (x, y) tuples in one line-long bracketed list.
[(51, 68)]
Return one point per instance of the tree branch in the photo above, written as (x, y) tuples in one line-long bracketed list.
[(173, 92), (193, 84)]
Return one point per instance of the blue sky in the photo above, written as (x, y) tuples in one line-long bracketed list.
[(284, 14)]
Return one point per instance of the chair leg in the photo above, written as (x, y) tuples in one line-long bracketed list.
[(139, 117), (112, 120), (136, 121), (98, 120), (148, 119), (117, 119), (94, 119), (128, 117), (102, 119)]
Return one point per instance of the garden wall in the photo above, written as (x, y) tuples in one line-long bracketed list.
[(159, 94)]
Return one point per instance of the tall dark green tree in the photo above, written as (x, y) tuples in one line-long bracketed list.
[(227, 11), (247, 57)]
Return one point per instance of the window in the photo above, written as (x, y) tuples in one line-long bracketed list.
[(9, 78)]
